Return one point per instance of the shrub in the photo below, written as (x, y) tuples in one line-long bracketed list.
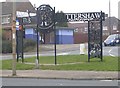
[(6, 46), (29, 44)]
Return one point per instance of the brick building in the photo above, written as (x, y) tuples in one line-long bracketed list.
[(7, 9), (81, 29)]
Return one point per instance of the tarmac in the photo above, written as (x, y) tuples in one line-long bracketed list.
[(57, 74)]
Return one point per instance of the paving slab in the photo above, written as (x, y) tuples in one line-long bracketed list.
[(55, 74)]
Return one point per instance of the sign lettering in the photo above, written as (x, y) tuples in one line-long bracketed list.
[(84, 16)]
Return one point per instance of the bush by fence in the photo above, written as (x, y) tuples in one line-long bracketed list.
[(28, 45), (6, 46)]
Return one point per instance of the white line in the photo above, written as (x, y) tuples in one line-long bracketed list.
[(106, 80), (110, 50), (112, 55), (61, 84), (62, 53)]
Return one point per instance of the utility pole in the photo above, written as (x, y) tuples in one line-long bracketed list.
[(14, 39), (110, 29), (118, 29)]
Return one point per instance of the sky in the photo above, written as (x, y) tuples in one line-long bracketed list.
[(79, 6)]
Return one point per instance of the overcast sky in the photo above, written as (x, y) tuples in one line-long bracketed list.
[(77, 6)]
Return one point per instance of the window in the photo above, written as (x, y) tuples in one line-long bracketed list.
[(5, 19), (86, 29), (105, 28), (114, 28), (76, 30)]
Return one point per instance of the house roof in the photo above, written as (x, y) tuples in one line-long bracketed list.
[(7, 7), (77, 25), (113, 21)]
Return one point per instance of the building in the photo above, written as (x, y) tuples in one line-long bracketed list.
[(64, 35), (110, 26), (81, 29), (80, 32), (7, 9), (79, 35)]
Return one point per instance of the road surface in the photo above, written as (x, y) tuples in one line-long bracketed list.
[(107, 51), (56, 82)]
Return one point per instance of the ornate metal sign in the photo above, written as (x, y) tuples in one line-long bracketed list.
[(94, 39), (45, 17)]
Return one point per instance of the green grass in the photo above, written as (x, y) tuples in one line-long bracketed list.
[(7, 64), (108, 64), (60, 59)]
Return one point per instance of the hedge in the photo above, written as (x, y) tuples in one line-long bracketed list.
[(6, 46), (28, 45)]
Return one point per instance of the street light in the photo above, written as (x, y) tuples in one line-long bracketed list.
[(14, 39)]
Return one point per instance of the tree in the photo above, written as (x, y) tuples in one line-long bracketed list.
[(61, 19)]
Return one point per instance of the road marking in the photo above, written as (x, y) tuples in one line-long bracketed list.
[(106, 80), (110, 50), (61, 84), (110, 53), (62, 53)]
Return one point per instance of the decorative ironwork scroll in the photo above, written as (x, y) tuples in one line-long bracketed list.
[(45, 17), (95, 39)]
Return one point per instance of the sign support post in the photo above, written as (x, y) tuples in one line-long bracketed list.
[(55, 38), (101, 28), (37, 59), (45, 22), (88, 41), (95, 38)]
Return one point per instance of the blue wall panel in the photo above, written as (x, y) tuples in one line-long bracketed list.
[(64, 36), (29, 31), (65, 32), (65, 39), (57, 39), (31, 36)]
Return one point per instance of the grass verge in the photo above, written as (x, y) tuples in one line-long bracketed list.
[(67, 62)]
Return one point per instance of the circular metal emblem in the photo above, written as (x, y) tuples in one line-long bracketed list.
[(45, 16)]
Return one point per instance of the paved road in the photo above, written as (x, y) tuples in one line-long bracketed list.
[(107, 51), (111, 51), (56, 82)]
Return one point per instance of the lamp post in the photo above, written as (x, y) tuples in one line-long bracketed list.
[(110, 29), (14, 39)]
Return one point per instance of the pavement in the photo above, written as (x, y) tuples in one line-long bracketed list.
[(55, 74)]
